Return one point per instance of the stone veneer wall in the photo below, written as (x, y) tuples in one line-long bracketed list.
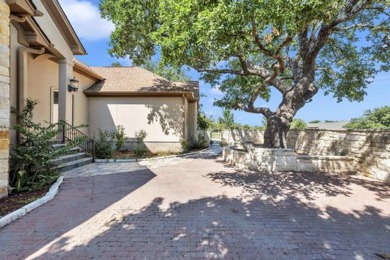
[(4, 97), (369, 149)]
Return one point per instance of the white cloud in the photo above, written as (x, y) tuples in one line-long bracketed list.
[(85, 19), (216, 91)]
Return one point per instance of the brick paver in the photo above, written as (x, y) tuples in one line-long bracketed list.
[(200, 208)]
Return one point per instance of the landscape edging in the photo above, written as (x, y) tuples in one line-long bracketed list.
[(33, 205)]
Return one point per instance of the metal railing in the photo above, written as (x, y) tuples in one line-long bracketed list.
[(72, 134)]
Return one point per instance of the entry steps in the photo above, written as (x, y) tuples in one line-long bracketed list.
[(73, 159)]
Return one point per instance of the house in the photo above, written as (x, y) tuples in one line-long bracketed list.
[(38, 47), (138, 100)]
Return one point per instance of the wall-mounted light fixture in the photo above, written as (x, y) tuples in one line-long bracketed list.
[(73, 85)]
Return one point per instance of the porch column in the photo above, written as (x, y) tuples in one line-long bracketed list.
[(64, 97), (4, 97)]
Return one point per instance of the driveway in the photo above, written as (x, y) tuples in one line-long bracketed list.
[(201, 208)]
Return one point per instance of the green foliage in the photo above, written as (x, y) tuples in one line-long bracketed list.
[(140, 148), (116, 64), (298, 124), (227, 120), (120, 137), (204, 122), (166, 72), (30, 161), (103, 147), (315, 121), (248, 47), (378, 118), (194, 143)]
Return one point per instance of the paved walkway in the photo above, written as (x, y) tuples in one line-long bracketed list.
[(200, 208)]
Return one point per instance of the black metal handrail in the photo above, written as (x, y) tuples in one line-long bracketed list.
[(86, 143)]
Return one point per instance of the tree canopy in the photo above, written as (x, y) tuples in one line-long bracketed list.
[(248, 47), (166, 72), (378, 118)]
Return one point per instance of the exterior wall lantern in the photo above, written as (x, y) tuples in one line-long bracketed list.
[(73, 85)]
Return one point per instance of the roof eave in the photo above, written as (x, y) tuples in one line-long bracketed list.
[(61, 20)]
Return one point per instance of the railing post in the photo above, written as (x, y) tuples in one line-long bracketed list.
[(63, 131)]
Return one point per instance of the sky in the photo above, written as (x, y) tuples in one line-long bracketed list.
[(94, 33)]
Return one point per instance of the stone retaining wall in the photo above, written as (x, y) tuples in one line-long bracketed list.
[(4, 97), (367, 150)]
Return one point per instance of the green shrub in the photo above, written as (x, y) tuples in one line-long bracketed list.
[(120, 137), (30, 160), (194, 144), (103, 148), (140, 148)]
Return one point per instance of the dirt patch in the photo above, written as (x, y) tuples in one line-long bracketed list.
[(17, 200)]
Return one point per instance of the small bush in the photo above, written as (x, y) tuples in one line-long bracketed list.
[(298, 124), (194, 144), (140, 148), (120, 137), (103, 147)]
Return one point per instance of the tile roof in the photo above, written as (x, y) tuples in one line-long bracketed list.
[(137, 80)]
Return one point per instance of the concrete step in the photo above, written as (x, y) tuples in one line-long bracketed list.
[(69, 157), (72, 150), (74, 164)]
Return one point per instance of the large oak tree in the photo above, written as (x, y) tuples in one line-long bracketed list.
[(248, 47)]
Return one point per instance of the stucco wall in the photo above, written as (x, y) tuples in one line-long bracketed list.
[(192, 119), (4, 97), (42, 76), (81, 102), (161, 117)]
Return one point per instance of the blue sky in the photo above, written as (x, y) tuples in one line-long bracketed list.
[(94, 33)]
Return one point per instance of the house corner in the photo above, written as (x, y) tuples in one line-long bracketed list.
[(4, 97)]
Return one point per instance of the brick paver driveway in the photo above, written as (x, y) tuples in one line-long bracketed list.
[(200, 208)]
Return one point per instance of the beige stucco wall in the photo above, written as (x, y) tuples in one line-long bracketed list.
[(81, 102), (42, 77), (4, 97), (161, 117), (192, 119)]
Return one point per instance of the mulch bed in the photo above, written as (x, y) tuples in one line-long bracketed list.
[(15, 200)]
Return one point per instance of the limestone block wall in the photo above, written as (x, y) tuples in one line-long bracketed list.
[(4, 97), (369, 149)]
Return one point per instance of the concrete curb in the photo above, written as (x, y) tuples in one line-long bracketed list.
[(148, 159), (33, 205)]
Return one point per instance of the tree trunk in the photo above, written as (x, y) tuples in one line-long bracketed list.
[(278, 124), (275, 135)]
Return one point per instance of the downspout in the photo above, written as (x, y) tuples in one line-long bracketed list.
[(21, 86), (184, 117)]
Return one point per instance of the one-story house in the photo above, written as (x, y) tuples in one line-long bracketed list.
[(37, 50)]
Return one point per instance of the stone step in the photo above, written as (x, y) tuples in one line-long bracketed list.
[(69, 157), (72, 150), (74, 164)]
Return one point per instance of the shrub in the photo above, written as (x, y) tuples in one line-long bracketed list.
[(194, 144), (103, 148), (30, 160), (140, 148), (120, 137)]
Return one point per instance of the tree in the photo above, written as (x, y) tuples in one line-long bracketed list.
[(116, 64), (377, 118), (227, 120), (166, 72), (298, 123), (250, 47)]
